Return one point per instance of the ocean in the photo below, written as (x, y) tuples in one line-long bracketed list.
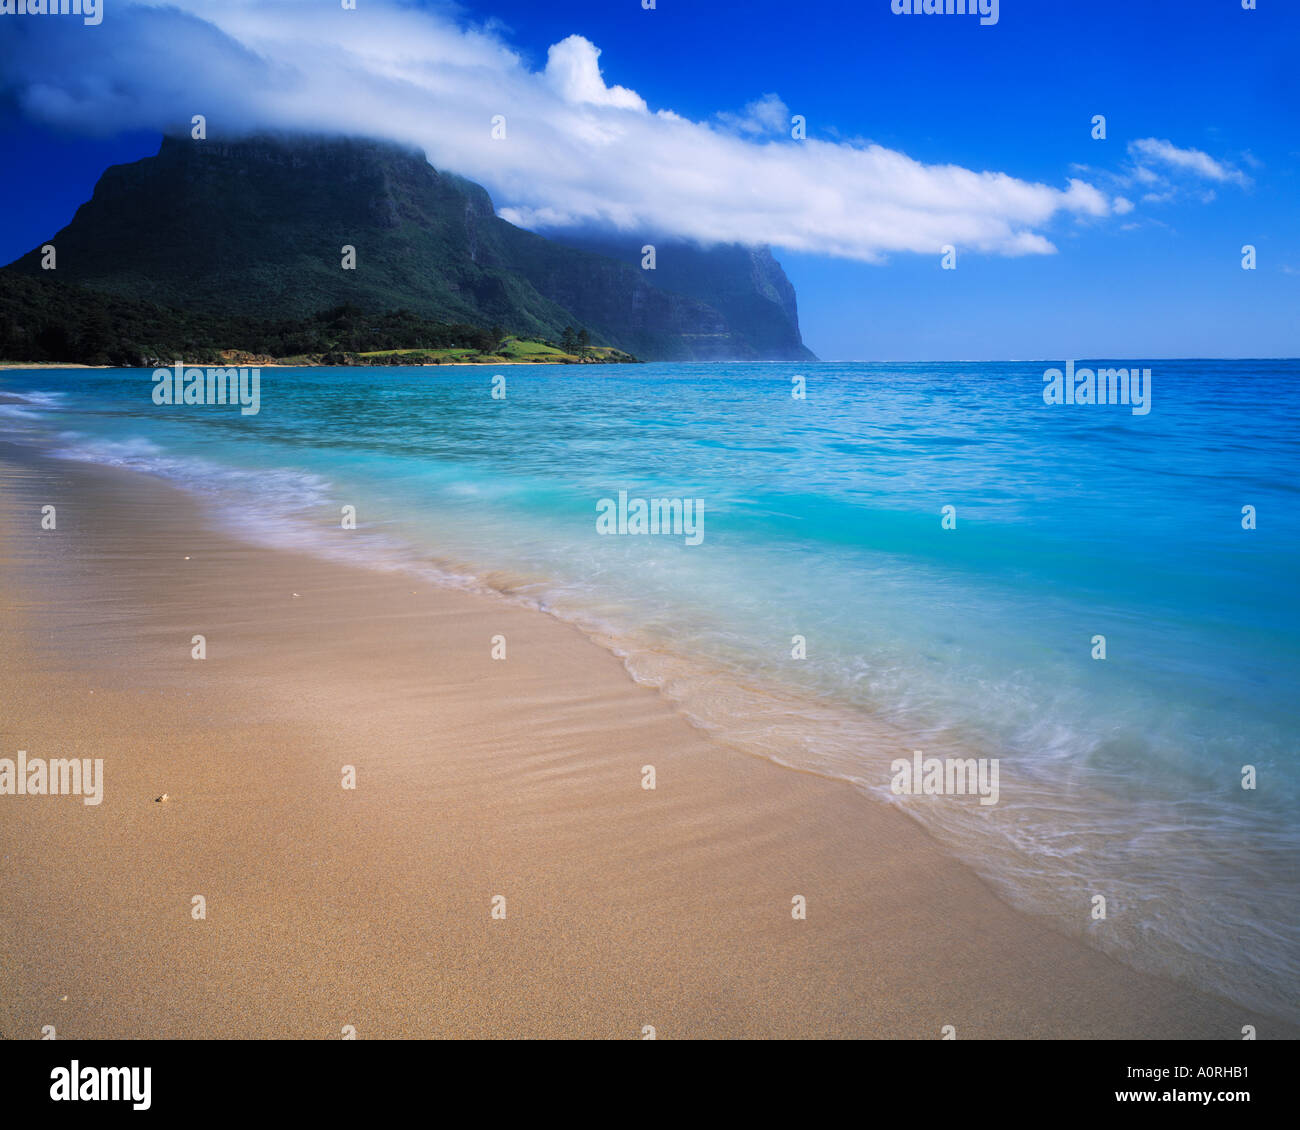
[(833, 615)]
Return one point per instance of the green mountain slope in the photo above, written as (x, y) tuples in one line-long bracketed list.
[(256, 228)]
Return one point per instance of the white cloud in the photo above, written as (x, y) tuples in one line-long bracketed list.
[(1158, 172), (573, 72), (577, 150), (1192, 161), (766, 115)]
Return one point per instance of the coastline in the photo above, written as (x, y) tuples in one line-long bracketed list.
[(299, 363), (522, 777)]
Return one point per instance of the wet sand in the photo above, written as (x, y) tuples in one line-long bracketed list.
[(475, 777)]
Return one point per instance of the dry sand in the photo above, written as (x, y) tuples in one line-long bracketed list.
[(476, 777)]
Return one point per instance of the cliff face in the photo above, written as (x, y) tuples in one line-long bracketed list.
[(256, 228), (746, 285)]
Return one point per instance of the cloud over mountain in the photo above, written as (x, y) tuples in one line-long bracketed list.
[(577, 149)]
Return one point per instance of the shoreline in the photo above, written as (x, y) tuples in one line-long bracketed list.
[(313, 364), (522, 777)]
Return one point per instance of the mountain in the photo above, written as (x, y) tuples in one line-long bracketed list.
[(256, 227), (746, 285)]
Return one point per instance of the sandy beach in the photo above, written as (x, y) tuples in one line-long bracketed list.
[(475, 777)]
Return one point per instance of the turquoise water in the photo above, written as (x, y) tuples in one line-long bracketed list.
[(822, 519)]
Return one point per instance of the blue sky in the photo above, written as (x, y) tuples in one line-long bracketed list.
[(1137, 266)]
